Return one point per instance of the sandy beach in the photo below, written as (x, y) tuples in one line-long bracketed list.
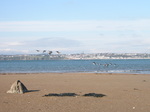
[(120, 92)]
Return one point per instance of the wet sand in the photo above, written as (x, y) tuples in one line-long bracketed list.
[(122, 92)]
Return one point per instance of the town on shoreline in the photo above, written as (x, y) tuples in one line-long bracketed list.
[(76, 56)]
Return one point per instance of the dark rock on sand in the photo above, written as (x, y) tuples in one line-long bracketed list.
[(18, 87)]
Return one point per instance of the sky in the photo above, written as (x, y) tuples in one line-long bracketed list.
[(74, 26)]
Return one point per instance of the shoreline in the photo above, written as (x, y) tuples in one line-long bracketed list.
[(75, 73)]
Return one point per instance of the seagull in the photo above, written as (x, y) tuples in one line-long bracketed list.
[(57, 52), (94, 63), (50, 52), (38, 50), (110, 64), (106, 65), (44, 51)]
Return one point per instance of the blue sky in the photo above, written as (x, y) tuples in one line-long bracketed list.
[(74, 26)]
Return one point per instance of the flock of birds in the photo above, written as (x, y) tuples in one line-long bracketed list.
[(105, 65), (49, 52), (94, 63)]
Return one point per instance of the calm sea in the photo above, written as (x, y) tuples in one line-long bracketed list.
[(138, 66)]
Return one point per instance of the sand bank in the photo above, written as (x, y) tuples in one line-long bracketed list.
[(122, 92)]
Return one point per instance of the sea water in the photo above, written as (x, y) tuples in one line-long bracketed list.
[(137, 66)]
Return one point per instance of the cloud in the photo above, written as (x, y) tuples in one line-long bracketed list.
[(91, 25), (128, 46), (13, 51), (53, 42), (11, 44), (30, 46), (77, 36)]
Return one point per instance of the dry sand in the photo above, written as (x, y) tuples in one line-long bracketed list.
[(124, 92)]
